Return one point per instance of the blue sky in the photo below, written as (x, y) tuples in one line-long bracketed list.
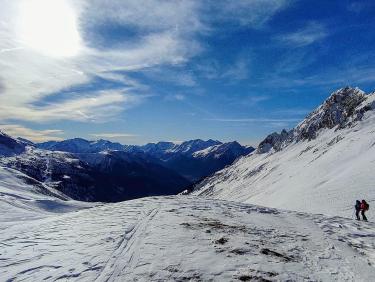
[(140, 71)]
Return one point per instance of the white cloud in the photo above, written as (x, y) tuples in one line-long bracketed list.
[(238, 71), (175, 97), (31, 134), (166, 34), (146, 15), (96, 107), (176, 76), (307, 35), (28, 77), (253, 13)]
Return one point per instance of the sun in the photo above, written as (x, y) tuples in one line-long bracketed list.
[(49, 27)]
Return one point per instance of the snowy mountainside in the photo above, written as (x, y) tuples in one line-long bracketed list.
[(189, 158), (59, 170), (192, 146), (321, 166), (10, 146), (23, 198), (132, 175), (186, 239), (234, 148), (196, 159), (205, 162), (158, 150), (110, 176)]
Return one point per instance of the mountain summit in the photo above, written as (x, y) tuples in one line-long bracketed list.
[(10, 146), (341, 107)]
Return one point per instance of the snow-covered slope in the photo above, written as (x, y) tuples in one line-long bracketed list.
[(23, 198), (10, 146), (186, 239), (321, 166), (108, 176), (62, 171)]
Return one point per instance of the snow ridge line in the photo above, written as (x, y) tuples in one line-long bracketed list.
[(123, 258)]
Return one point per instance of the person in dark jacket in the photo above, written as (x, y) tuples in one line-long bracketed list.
[(357, 209), (364, 208)]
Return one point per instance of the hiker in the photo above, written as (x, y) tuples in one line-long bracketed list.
[(357, 209), (364, 207)]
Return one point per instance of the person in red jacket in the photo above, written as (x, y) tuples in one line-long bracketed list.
[(364, 208)]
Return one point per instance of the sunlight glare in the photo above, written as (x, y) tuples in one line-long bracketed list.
[(49, 27)]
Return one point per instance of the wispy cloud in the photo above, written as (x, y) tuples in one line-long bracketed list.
[(253, 13), (307, 35), (238, 71), (250, 120), (28, 77), (251, 100), (17, 130), (172, 75), (113, 135), (292, 111), (175, 97), (359, 6), (165, 33), (96, 107)]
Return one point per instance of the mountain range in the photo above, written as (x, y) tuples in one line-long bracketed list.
[(194, 159), (110, 172)]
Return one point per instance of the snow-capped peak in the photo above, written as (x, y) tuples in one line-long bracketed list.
[(338, 110), (335, 111), (217, 151), (10, 146), (191, 146)]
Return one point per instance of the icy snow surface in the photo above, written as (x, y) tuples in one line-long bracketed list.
[(186, 239), (23, 198)]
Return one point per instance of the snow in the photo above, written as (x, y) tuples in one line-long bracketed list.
[(205, 152), (322, 175), (218, 151), (23, 198), (186, 238)]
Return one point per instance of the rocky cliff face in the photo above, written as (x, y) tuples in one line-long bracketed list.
[(340, 109), (334, 112)]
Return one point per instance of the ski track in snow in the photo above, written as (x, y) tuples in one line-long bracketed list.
[(186, 239)]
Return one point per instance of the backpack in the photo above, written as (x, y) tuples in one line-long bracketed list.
[(364, 205)]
